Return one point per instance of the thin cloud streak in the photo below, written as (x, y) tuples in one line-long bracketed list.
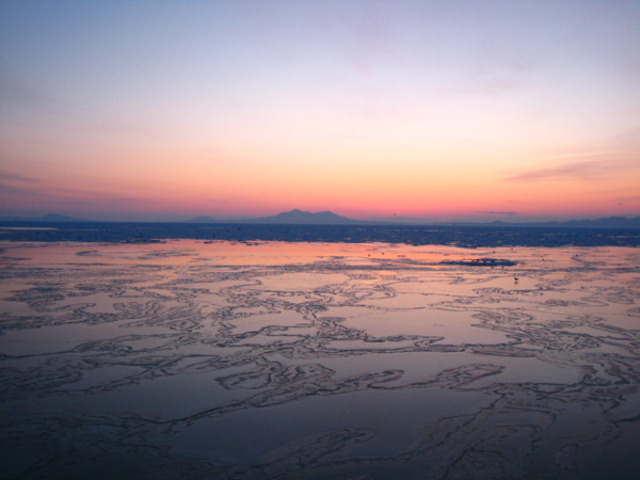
[(52, 194), (77, 201), (16, 177), (586, 171)]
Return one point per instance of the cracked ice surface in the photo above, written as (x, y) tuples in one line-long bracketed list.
[(224, 360)]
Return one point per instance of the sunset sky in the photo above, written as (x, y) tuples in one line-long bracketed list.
[(145, 110)]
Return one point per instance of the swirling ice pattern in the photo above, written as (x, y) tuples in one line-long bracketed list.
[(326, 369)]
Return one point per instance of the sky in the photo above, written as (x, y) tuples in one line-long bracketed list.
[(167, 110)]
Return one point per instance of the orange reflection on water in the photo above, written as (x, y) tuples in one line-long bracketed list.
[(180, 252)]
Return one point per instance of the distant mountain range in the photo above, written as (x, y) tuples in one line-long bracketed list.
[(293, 217), (49, 217), (300, 217)]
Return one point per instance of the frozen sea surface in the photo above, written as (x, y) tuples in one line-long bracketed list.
[(470, 236), (268, 360)]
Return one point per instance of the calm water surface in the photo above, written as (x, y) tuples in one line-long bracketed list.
[(225, 360)]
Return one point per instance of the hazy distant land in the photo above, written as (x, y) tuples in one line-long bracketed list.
[(301, 217), (301, 226), (468, 236)]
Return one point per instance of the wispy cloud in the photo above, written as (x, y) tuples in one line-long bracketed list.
[(582, 170), (605, 158), (6, 190), (16, 177), (54, 193)]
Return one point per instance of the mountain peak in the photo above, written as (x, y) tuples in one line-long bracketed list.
[(297, 216)]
